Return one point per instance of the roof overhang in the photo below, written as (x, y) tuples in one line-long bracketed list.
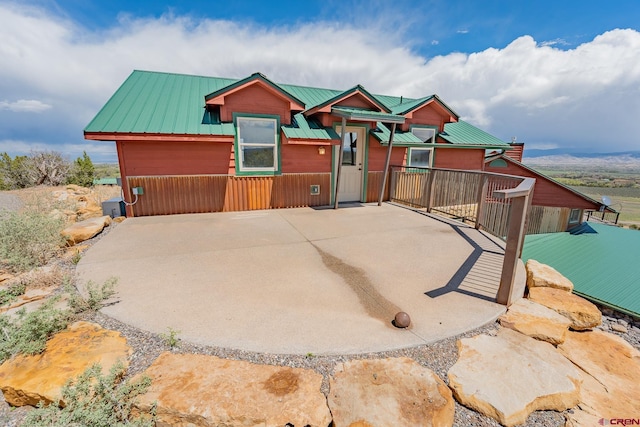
[(101, 136), (217, 97), (354, 114), (327, 106)]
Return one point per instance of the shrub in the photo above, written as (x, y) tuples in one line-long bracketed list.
[(82, 171), (96, 295), (47, 168), (29, 239), (171, 337), (95, 400), (28, 332), (11, 293), (14, 172)]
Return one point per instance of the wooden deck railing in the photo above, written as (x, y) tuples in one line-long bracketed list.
[(492, 202)]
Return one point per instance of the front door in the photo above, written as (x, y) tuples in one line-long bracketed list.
[(352, 171)]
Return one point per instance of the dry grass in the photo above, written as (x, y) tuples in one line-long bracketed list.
[(43, 277)]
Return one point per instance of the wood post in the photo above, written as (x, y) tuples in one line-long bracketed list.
[(340, 155), (482, 195), (386, 164)]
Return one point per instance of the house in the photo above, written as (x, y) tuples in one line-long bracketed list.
[(189, 144), (554, 206), (601, 260)]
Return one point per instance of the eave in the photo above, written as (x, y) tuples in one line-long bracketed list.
[(100, 136), (325, 107)]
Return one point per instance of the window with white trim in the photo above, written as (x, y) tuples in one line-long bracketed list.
[(257, 147), (419, 157)]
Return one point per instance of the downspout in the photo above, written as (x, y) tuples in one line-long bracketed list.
[(386, 164), (340, 156)]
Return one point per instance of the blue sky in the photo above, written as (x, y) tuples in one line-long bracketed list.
[(556, 74)]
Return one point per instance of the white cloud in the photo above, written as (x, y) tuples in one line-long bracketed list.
[(585, 96), (555, 42), (24, 106), (462, 31)]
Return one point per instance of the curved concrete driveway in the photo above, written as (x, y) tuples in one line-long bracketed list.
[(290, 281)]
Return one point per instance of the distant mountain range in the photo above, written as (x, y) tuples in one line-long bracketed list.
[(626, 162), (535, 153)]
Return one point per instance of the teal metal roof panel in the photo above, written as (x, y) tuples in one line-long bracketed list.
[(603, 265), (302, 129), (383, 133), (151, 102), (462, 132)]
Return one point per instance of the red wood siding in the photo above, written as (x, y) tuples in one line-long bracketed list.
[(378, 155), (255, 99), (546, 192), (515, 152), (173, 158), (304, 159), (357, 101), (456, 158), (427, 115)]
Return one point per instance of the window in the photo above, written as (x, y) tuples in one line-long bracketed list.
[(420, 157), (349, 148), (575, 216), (425, 134), (257, 144)]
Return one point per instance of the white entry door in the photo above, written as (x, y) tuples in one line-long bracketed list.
[(352, 170)]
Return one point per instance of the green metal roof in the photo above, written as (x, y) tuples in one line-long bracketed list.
[(382, 134), (462, 132), (301, 128), (166, 103), (150, 102), (412, 104), (603, 265)]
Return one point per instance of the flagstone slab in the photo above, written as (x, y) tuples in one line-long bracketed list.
[(536, 321), (389, 392), (508, 376), (583, 314), (197, 390)]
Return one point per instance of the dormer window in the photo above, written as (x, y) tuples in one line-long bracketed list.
[(425, 133)]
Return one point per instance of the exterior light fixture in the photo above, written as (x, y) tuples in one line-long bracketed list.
[(321, 151)]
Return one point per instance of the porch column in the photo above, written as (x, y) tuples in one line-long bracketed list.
[(340, 154), (386, 164)]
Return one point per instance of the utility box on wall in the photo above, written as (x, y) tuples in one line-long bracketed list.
[(113, 207)]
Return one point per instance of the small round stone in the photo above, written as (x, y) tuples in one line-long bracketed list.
[(402, 320)]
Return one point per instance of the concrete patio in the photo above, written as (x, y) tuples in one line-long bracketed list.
[(301, 280)]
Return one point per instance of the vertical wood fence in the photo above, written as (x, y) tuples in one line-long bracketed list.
[(166, 195)]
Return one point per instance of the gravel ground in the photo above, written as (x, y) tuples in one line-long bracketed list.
[(438, 357)]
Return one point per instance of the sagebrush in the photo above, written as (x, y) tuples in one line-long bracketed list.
[(27, 333), (29, 239), (96, 400), (11, 293), (96, 295)]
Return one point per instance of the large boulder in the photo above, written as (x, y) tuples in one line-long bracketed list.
[(84, 230), (582, 313), (198, 390), (536, 321), (611, 386), (511, 375), (389, 392), (542, 275), (27, 380)]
